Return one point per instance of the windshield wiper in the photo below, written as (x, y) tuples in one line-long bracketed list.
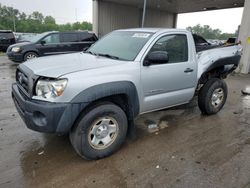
[(89, 52), (104, 55), (109, 56)]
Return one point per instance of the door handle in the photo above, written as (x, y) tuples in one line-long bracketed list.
[(188, 70)]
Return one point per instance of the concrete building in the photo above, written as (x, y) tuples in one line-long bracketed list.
[(244, 37), (109, 15)]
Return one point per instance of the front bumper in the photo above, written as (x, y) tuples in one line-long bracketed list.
[(16, 57), (46, 116)]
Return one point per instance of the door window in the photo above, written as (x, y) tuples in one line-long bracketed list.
[(86, 37), (175, 45), (52, 39), (69, 37)]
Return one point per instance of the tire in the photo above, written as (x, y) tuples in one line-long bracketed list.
[(30, 55), (88, 142), (212, 96)]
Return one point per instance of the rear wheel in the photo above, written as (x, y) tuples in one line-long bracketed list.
[(100, 131), (30, 55), (212, 96)]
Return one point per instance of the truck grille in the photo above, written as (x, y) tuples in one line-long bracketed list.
[(23, 81)]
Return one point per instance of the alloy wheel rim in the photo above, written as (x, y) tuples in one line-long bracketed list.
[(103, 133), (31, 56), (217, 97)]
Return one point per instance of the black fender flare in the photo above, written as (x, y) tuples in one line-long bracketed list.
[(220, 66), (100, 91), (233, 60)]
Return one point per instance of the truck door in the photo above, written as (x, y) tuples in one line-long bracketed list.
[(173, 82)]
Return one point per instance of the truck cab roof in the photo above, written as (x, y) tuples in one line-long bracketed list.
[(155, 30)]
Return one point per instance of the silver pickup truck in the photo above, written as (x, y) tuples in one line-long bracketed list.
[(95, 95)]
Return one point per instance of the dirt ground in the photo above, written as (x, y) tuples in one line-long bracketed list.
[(189, 151)]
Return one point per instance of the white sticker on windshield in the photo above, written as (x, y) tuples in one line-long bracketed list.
[(141, 35)]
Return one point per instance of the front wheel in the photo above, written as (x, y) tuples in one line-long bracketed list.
[(100, 131), (30, 55), (212, 96)]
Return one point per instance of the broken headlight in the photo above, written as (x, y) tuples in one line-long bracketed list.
[(47, 88)]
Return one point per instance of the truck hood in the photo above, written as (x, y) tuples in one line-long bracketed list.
[(59, 65)]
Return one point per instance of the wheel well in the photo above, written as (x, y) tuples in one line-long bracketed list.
[(217, 72), (120, 100), (29, 52)]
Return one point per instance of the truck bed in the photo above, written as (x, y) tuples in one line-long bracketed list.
[(212, 58)]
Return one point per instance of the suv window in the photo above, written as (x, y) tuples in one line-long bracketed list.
[(86, 37), (52, 39), (69, 37), (6, 35), (175, 45)]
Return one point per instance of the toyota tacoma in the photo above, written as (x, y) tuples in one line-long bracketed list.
[(95, 95)]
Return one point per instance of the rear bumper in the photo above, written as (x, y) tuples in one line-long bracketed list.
[(16, 57), (4, 47), (45, 116)]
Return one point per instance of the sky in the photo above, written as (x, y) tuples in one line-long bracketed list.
[(65, 11), (226, 20)]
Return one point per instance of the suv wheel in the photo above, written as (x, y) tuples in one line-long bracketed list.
[(30, 55), (100, 131), (212, 96)]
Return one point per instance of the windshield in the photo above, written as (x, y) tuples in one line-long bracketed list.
[(124, 45)]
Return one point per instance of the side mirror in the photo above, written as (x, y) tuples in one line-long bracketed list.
[(157, 57), (43, 42)]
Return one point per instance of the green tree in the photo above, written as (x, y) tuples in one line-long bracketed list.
[(65, 27), (35, 22), (209, 33), (50, 24)]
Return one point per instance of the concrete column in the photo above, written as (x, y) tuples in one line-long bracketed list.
[(144, 13), (244, 37), (175, 20), (95, 18)]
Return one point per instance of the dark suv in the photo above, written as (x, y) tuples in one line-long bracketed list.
[(7, 38), (51, 43)]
